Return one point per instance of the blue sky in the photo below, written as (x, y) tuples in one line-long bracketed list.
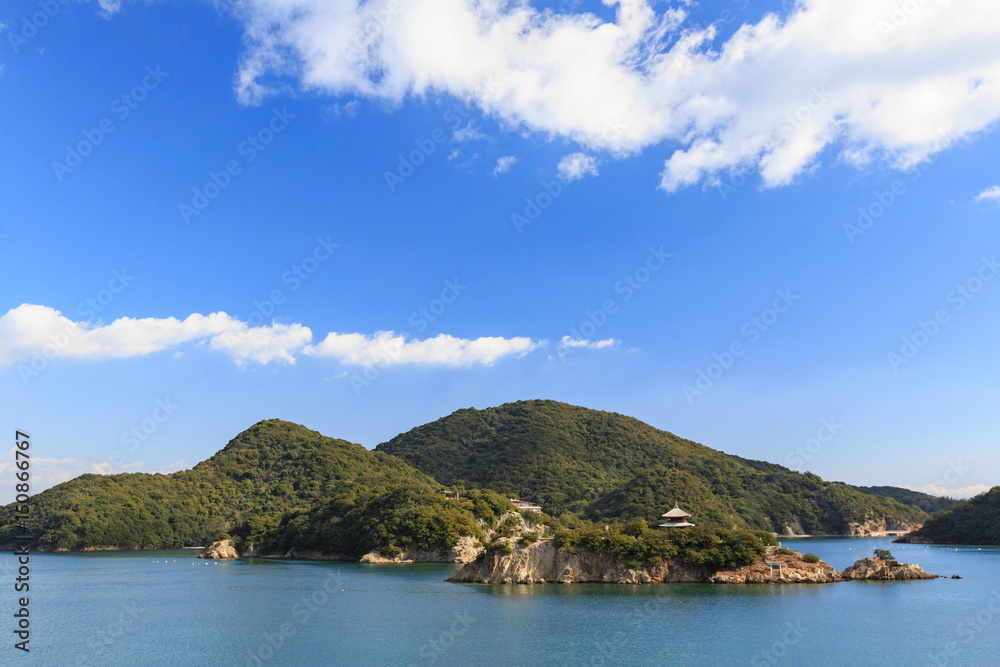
[(526, 255)]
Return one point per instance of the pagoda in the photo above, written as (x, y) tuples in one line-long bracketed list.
[(676, 518)]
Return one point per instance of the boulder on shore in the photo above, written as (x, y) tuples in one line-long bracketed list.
[(220, 549)]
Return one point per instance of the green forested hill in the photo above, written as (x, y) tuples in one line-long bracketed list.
[(926, 502), (603, 466), (264, 475), (974, 522)]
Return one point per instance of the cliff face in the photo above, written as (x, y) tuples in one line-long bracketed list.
[(542, 563), (465, 551), (881, 527)]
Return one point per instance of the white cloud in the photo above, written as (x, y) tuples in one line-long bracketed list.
[(569, 341), (963, 492), (46, 472), (387, 348), (575, 166), (989, 194), (862, 76), (504, 164), (29, 332)]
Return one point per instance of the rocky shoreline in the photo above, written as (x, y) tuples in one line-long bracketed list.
[(542, 563)]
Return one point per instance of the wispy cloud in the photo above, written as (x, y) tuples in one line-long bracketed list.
[(387, 348), (569, 341), (989, 194), (575, 166), (503, 165)]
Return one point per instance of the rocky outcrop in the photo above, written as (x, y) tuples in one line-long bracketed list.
[(220, 549), (542, 563), (465, 551), (883, 527), (878, 569)]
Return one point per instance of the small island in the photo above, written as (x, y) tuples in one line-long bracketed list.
[(634, 554)]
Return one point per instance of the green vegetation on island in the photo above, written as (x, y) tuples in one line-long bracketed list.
[(974, 522)]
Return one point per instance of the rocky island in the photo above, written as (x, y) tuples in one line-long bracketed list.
[(543, 562)]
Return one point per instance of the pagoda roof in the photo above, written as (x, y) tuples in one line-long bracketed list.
[(676, 524), (676, 513)]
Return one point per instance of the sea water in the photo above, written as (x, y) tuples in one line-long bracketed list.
[(170, 608)]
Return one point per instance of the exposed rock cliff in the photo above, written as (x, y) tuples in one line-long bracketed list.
[(465, 551), (542, 563), (875, 568), (220, 549), (880, 527)]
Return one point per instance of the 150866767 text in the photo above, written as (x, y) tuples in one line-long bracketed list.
[(22, 540)]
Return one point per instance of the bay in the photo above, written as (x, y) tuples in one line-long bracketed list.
[(170, 608)]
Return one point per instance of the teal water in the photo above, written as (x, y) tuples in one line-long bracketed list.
[(124, 609)]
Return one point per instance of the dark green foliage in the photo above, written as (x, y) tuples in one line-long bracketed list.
[(604, 466), (926, 502), (528, 538), (711, 548), (974, 522), (386, 520), (785, 552), (810, 558), (884, 554), (264, 477)]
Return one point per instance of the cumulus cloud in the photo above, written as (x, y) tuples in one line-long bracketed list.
[(963, 492), (387, 348), (868, 79), (575, 166), (504, 164), (989, 194), (30, 330)]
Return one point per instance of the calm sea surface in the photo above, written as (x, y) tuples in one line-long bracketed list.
[(126, 609)]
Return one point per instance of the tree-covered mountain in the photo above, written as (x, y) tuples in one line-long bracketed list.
[(924, 501), (265, 477), (606, 466), (974, 522)]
